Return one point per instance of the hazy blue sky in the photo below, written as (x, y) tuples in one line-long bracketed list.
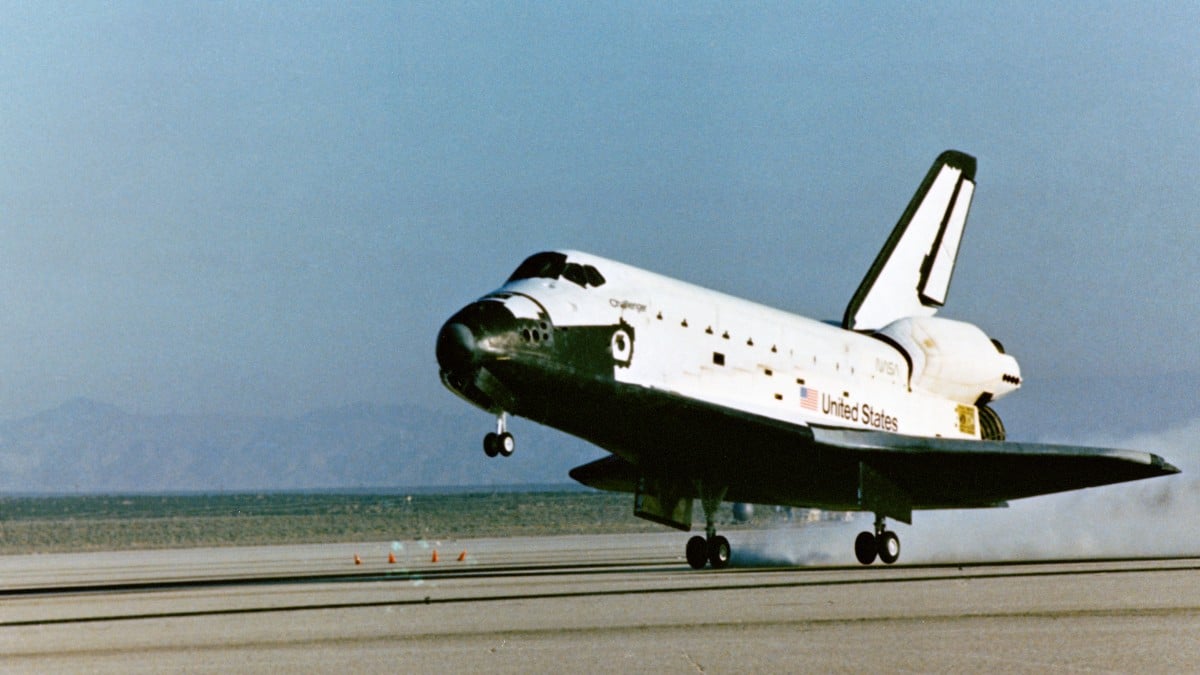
[(263, 208)]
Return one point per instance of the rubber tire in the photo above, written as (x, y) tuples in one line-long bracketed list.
[(719, 552), (888, 545), (491, 445), (864, 548), (506, 444), (697, 553)]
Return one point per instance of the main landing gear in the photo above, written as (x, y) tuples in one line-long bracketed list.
[(883, 543), (501, 442), (712, 547)]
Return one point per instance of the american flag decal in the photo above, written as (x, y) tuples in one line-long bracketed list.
[(808, 398)]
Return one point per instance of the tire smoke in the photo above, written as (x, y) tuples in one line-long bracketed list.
[(1147, 518)]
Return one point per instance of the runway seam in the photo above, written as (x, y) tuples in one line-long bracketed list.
[(340, 577)]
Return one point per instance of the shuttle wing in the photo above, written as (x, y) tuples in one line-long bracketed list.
[(911, 275), (951, 473), (769, 461)]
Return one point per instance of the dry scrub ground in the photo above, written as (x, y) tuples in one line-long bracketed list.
[(93, 523)]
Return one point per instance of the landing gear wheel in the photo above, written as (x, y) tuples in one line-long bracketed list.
[(505, 444), (491, 445), (719, 552), (697, 553), (865, 548), (888, 545)]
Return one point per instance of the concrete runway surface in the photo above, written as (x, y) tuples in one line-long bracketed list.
[(584, 603)]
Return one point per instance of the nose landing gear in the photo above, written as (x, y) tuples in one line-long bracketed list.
[(883, 543), (500, 442)]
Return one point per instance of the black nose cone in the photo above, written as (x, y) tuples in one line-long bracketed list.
[(474, 335), (455, 348)]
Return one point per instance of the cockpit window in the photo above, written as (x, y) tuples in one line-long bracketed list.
[(551, 265), (575, 274), (547, 265), (594, 278)]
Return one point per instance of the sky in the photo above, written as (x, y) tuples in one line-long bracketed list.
[(268, 208)]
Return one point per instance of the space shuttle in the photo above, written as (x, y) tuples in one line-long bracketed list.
[(698, 396)]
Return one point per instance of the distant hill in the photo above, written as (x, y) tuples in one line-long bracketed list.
[(88, 446)]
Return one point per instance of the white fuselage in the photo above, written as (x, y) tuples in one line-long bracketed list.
[(716, 348)]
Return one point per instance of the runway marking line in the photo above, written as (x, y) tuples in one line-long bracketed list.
[(407, 574)]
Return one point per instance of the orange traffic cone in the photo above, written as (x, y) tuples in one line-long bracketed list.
[(435, 557), (357, 560), (391, 558), (462, 556)]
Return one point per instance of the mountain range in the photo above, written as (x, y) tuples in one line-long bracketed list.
[(85, 446)]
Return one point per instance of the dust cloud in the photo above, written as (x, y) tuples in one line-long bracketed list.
[(1147, 518)]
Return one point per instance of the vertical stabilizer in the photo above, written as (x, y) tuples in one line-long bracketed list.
[(911, 275)]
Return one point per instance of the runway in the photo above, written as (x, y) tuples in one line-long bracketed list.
[(586, 603)]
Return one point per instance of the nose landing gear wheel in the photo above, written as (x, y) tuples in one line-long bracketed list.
[(491, 445), (505, 444), (697, 552)]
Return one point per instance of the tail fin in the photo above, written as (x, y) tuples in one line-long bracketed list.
[(911, 275)]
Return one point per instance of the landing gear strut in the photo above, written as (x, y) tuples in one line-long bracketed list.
[(883, 543), (712, 548), (501, 442)]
